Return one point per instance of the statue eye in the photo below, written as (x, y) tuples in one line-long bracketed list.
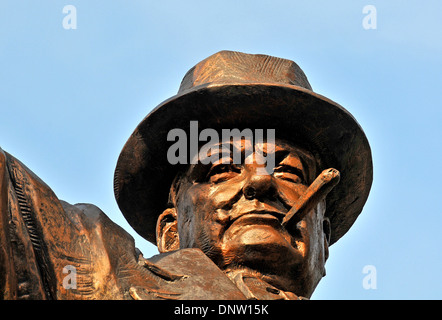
[(288, 173), (222, 172)]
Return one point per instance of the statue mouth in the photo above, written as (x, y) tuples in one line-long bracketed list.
[(261, 231), (259, 217), (264, 218)]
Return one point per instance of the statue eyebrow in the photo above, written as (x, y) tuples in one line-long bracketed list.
[(224, 150), (280, 153), (199, 170)]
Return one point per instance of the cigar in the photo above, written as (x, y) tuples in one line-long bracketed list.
[(316, 192)]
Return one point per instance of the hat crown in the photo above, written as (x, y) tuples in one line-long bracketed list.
[(231, 67)]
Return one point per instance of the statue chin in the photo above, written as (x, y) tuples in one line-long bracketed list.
[(260, 245)]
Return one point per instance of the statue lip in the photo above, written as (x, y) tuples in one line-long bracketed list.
[(263, 217)]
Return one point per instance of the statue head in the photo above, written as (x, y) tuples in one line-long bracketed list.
[(228, 195)]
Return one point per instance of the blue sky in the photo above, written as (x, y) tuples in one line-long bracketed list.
[(69, 100)]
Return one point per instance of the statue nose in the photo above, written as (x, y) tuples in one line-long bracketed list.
[(260, 186)]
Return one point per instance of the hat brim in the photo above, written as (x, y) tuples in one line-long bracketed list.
[(143, 175)]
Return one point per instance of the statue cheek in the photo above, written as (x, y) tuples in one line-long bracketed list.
[(289, 191)]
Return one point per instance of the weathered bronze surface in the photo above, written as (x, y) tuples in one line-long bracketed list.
[(224, 230)]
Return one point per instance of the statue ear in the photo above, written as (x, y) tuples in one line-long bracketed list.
[(167, 231)]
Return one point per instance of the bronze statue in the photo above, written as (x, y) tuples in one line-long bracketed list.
[(227, 224)]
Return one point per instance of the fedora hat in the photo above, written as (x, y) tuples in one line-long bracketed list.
[(237, 90)]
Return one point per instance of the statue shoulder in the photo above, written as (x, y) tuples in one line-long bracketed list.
[(48, 240)]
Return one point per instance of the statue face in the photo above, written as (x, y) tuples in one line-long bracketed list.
[(233, 213)]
